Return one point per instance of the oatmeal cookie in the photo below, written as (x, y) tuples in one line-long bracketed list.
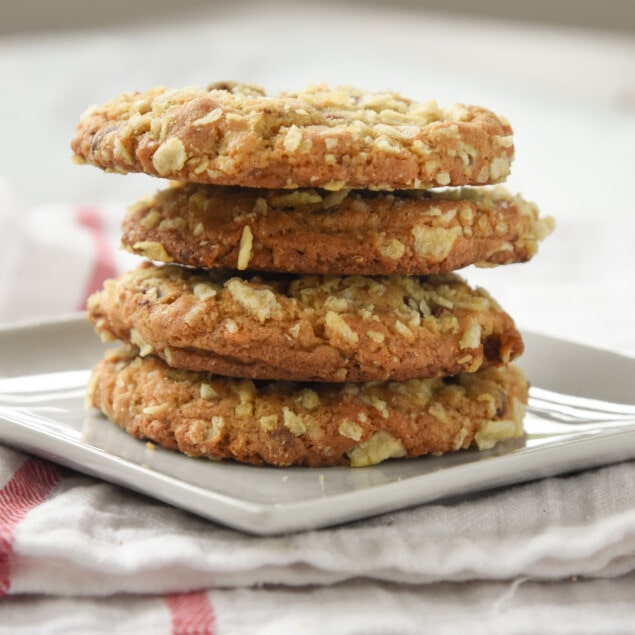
[(287, 423), (333, 138), (347, 232), (305, 328)]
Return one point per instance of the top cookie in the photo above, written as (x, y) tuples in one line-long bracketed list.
[(234, 134)]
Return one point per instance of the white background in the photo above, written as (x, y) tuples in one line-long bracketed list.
[(569, 93)]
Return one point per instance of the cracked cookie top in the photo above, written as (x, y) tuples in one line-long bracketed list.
[(327, 137), (346, 232), (306, 328)]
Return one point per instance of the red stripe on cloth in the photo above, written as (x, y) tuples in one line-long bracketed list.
[(192, 614), (103, 266), (29, 486)]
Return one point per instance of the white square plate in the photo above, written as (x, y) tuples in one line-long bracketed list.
[(44, 368)]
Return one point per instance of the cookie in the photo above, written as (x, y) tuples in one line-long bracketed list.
[(333, 138), (336, 233), (286, 423), (305, 328)]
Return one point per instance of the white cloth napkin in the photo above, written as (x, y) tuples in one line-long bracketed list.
[(81, 556), (66, 536), (82, 537)]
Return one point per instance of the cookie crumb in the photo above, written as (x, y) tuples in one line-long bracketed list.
[(380, 447), (169, 157), (245, 248)]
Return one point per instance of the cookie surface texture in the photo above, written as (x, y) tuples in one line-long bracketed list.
[(306, 328), (333, 138), (347, 232), (285, 423)]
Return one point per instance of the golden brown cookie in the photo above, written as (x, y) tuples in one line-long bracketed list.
[(234, 134), (306, 328), (340, 233), (285, 423)]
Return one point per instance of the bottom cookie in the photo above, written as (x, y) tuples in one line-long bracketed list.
[(320, 424)]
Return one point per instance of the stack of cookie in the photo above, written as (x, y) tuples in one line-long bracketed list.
[(296, 305)]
